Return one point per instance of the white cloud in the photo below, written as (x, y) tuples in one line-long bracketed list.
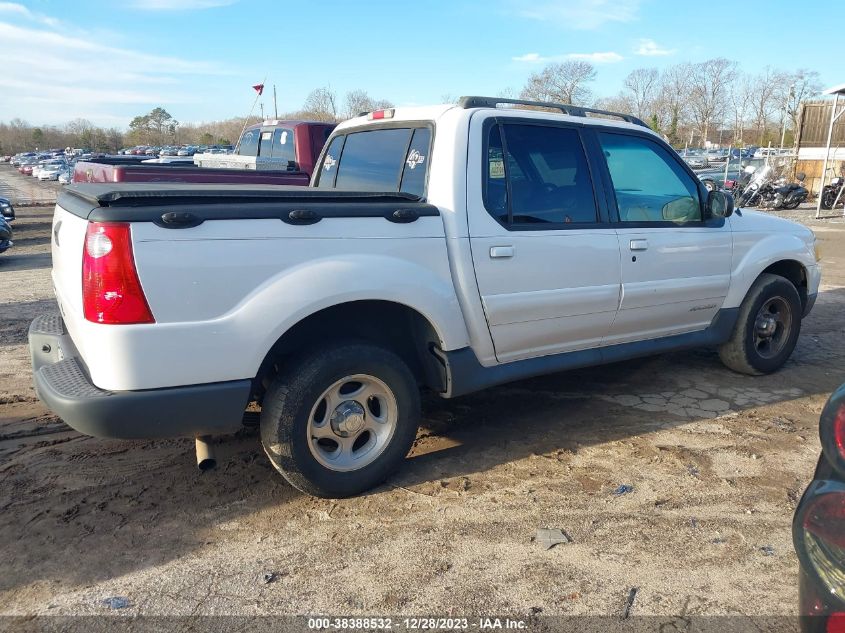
[(598, 58), (577, 14), (179, 5), (531, 58), (47, 75), (650, 48), (19, 10), (608, 57)]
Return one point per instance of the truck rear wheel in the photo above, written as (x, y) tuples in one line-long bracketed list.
[(767, 328), (339, 420)]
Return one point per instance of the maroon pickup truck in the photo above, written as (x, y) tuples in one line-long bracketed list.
[(269, 153)]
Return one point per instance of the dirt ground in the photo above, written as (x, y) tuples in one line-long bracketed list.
[(716, 463)]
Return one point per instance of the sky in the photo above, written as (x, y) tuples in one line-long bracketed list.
[(110, 60)]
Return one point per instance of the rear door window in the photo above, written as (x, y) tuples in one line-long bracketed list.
[(383, 160), (537, 176)]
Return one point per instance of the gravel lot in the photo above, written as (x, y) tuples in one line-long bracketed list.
[(716, 462)]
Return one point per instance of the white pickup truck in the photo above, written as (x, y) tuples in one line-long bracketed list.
[(452, 248)]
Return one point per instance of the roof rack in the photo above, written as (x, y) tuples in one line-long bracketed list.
[(566, 108)]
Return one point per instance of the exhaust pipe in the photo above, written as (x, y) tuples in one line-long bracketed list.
[(206, 460)]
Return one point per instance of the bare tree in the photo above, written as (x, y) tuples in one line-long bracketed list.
[(803, 83), (742, 94), (710, 82), (642, 85), (565, 82), (766, 97), (321, 104), (358, 101), (674, 99)]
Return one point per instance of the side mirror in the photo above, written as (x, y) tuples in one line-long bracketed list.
[(720, 204), (800, 176)]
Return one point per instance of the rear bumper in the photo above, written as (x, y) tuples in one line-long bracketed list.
[(62, 383)]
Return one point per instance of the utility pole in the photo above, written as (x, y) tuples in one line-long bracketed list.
[(786, 113), (275, 105)]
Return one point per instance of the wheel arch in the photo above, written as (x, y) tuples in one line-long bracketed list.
[(397, 326), (780, 254), (794, 272)]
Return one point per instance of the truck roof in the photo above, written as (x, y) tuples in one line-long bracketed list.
[(286, 123), (512, 107)]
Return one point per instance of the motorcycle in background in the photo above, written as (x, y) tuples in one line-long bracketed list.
[(764, 192), (832, 194)]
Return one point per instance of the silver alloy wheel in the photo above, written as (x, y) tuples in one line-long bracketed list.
[(352, 423), (772, 327)]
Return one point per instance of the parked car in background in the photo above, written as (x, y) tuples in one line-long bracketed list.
[(6, 209), (717, 155), (274, 145), (19, 159), (66, 176), (5, 235), (714, 179), (51, 170), (695, 159), (818, 529)]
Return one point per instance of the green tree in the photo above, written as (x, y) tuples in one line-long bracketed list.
[(157, 127), (38, 136), (207, 138), (654, 123)]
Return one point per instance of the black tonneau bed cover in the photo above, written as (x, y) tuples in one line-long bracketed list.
[(181, 205)]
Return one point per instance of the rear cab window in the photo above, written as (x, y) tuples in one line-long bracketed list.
[(249, 143), (393, 159)]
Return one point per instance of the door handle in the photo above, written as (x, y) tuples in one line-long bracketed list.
[(501, 252), (639, 245)]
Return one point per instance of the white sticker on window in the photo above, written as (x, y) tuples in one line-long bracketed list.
[(284, 137), (329, 162), (414, 159)]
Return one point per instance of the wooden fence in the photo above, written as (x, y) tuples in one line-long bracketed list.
[(815, 120)]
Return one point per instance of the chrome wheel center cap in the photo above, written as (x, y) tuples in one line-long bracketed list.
[(347, 419), (766, 326)]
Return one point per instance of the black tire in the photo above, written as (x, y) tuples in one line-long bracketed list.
[(741, 353), (828, 198), (709, 185), (792, 205), (288, 405)]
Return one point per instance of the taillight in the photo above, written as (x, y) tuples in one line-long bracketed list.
[(111, 290), (820, 541), (832, 430), (836, 623)]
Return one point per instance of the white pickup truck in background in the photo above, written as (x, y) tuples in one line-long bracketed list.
[(451, 248)]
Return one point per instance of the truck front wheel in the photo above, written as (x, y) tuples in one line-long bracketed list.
[(767, 327), (340, 419)]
